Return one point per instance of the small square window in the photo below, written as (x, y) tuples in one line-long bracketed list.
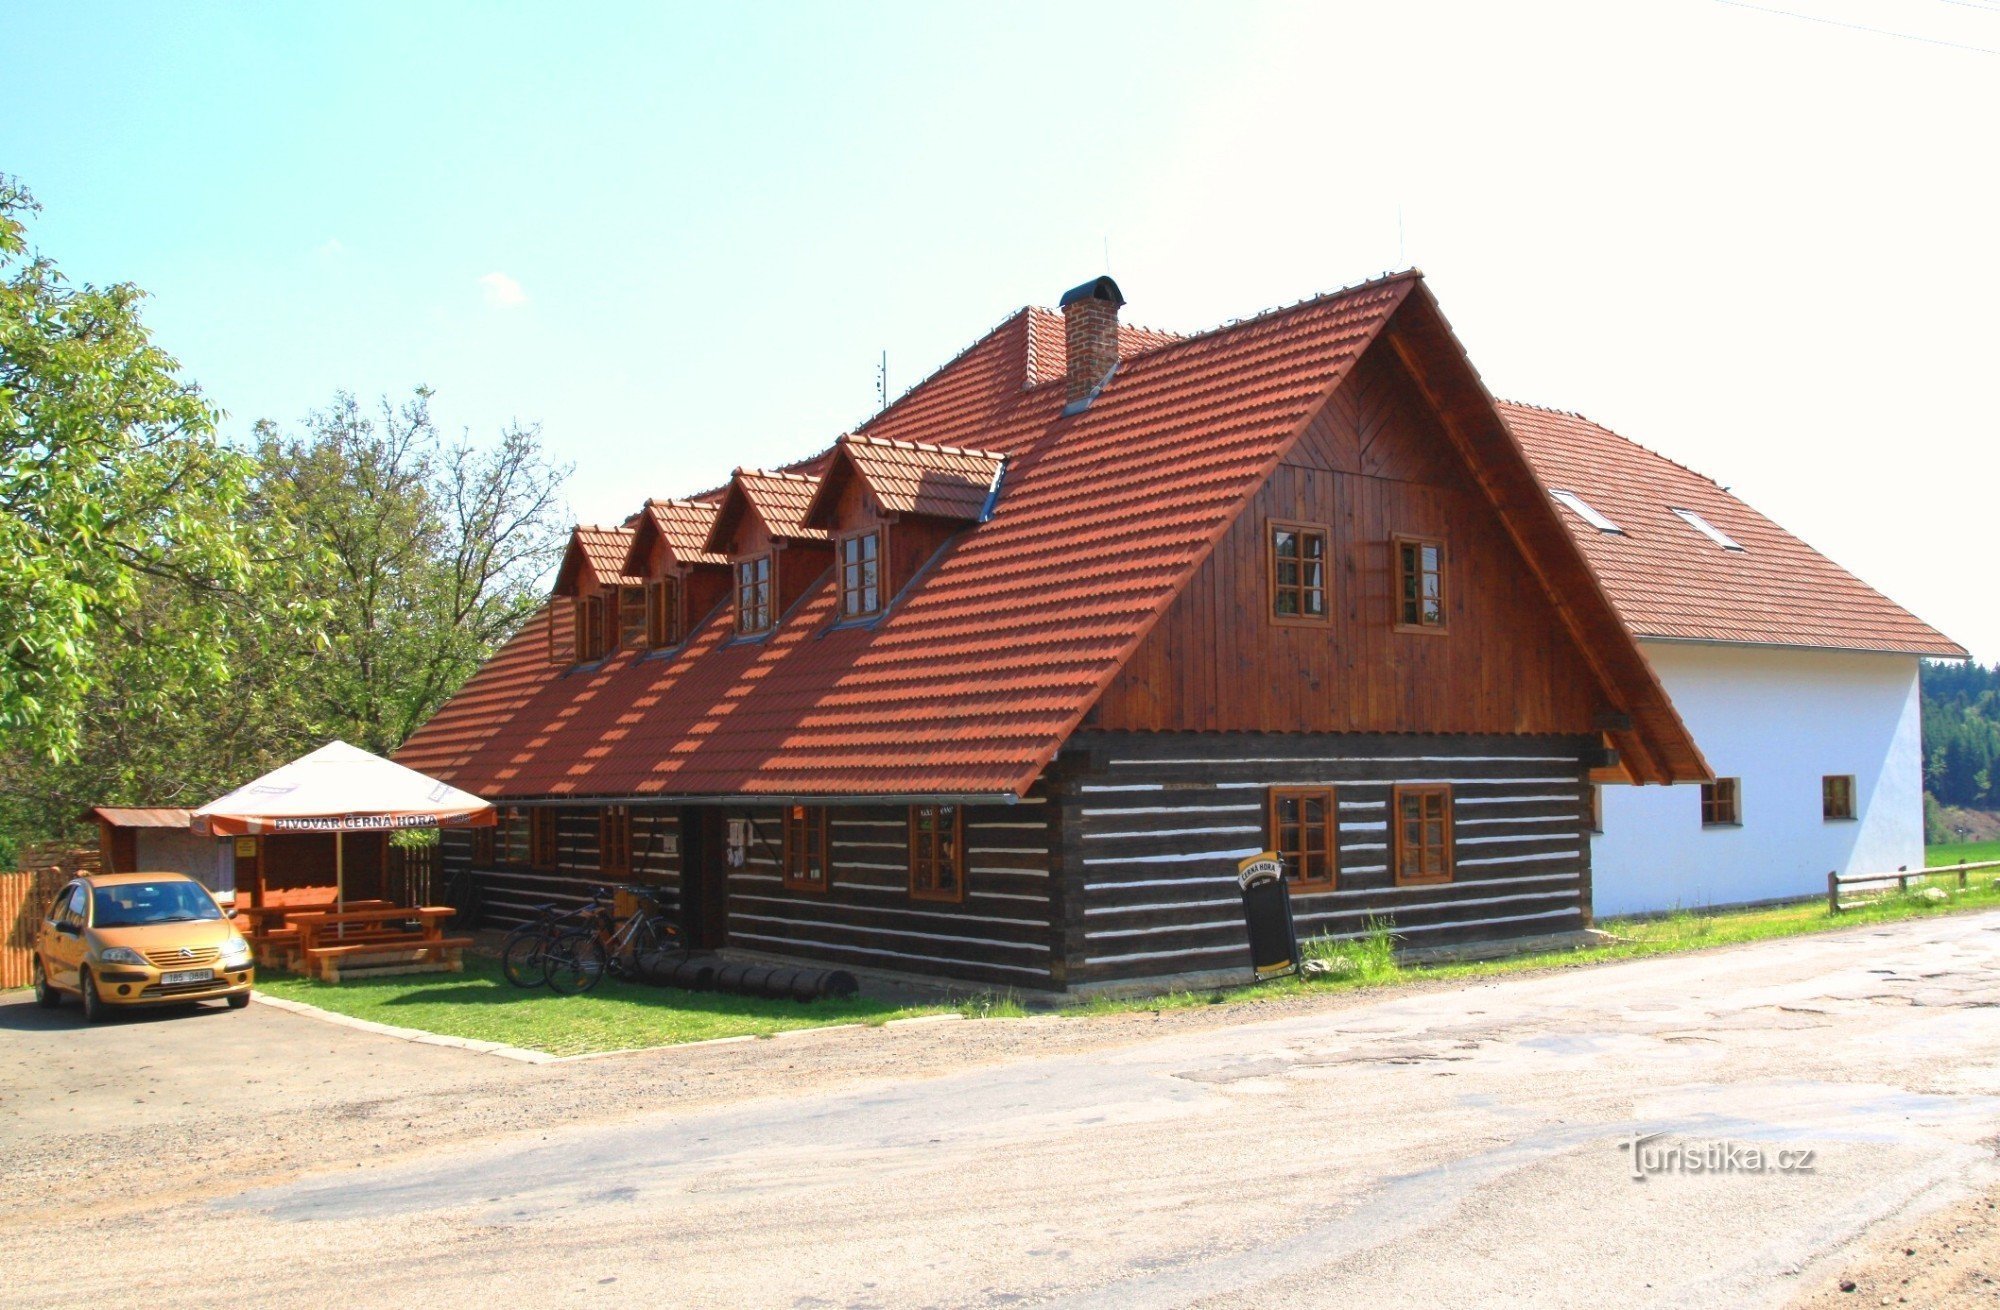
[(937, 853), (614, 840), (753, 595), (1422, 833), (860, 575), (1722, 803), (1420, 593), (665, 617), (1302, 833), (1836, 796), (807, 868), (1298, 573)]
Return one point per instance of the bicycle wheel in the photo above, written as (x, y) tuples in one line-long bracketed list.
[(575, 962), (525, 957)]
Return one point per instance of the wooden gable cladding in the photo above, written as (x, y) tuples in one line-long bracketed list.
[(1653, 743), (764, 514), (1371, 466)]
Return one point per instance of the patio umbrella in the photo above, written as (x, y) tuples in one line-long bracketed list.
[(341, 789)]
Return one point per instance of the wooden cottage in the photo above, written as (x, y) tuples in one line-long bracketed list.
[(1002, 686)]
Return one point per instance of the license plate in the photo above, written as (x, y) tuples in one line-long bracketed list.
[(187, 976)]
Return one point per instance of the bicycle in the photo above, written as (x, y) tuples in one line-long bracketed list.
[(524, 955), (577, 961)]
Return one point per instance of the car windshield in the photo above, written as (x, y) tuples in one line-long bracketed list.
[(131, 904)]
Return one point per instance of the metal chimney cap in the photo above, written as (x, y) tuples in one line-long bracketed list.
[(1098, 288)]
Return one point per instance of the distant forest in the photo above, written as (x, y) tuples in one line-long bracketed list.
[(1961, 709)]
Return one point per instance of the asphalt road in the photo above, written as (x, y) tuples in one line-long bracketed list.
[(1443, 1146)]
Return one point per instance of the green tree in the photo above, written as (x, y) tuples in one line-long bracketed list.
[(113, 489), (429, 552)]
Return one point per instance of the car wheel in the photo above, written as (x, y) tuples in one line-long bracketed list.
[(46, 995), (94, 1008), (238, 1002)]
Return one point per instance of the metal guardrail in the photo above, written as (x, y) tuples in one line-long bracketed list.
[(1835, 880)]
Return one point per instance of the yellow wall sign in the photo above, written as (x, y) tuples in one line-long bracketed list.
[(246, 848)]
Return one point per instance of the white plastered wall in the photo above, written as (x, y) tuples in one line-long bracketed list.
[(1780, 720)]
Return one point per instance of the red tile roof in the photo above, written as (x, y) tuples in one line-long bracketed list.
[(779, 499), (685, 524), (909, 477), (988, 661), (980, 672), (1668, 580), (604, 551)]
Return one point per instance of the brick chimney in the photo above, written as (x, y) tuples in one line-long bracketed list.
[(1090, 335)]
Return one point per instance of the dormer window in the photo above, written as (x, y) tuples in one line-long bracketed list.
[(753, 595), (631, 616), (664, 627), (1707, 529), (860, 575), (592, 637)]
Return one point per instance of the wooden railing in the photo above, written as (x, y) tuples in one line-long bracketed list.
[(1836, 882)]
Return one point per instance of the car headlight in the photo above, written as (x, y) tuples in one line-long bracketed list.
[(236, 949), (121, 955)]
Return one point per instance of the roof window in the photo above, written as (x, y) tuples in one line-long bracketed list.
[(1707, 529), (1582, 509)]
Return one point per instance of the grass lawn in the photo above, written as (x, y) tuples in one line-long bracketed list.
[(1970, 851), (479, 1003), (613, 1016)]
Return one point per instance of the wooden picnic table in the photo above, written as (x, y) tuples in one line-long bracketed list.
[(376, 940), (272, 938)]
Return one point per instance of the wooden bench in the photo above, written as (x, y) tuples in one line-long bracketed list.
[(376, 941), (1837, 882), (272, 939)]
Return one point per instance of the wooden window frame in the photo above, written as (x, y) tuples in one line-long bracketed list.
[(1272, 588), (509, 818), (592, 629), (544, 837), (614, 840), (768, 582), (665, 628), (1398, 839), (841, 567), (637, 599), (1403, 542), (1712, 803), (805, 825), (920, 892), (1849, 811), (1330, 823), (485, 843)]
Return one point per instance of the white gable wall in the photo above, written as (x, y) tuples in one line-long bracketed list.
[(1779, 719)]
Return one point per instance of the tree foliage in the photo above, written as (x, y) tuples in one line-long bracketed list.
[(115, 497), (1961, 724)]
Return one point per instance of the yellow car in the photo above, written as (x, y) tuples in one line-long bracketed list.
[(117, 939)]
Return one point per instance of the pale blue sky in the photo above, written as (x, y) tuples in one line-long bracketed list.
[(680, 238)]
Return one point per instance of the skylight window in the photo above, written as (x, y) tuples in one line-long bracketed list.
[(1583, 510), (1707, 529)]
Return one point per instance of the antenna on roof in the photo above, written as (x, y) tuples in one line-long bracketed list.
[(882, 383)]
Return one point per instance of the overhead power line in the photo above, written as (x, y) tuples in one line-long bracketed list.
[(1863, 27)]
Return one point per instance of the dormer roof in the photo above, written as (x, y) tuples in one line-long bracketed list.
[(909, 477), (683, 524), (779, 500), (596, 558)]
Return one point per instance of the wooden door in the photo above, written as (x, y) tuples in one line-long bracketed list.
[(704, 878)]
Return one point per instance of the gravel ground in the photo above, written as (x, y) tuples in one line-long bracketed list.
[(1464, 1145)]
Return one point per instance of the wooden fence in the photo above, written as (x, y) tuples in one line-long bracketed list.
[(24, 895)]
